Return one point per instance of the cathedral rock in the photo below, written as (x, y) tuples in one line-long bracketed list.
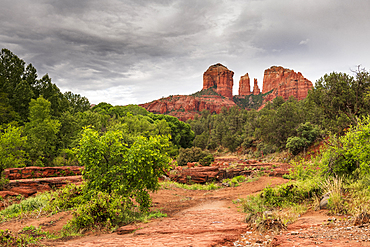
[(217, 92), (285, 82), (220, 78)]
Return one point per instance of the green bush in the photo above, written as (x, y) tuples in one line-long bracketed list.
[(290, 193), (103, 211), (194, 154), (234, 182), (66, 198), (307, 134), (296, 144), (113, 166)]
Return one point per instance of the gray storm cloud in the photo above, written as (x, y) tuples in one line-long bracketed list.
[(129, 52)]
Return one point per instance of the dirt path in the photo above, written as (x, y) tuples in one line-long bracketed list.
[(195, 218)]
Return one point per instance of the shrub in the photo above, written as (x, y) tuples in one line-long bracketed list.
[(194, 154), (290, 193), (25, 206), (103, 211), (296, 144), (66, 198), (113, 166), (307, 134)]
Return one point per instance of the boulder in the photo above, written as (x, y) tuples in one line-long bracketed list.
[(324, 201)]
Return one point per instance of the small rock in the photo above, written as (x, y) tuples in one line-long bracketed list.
[(324, 203), (294, 233)]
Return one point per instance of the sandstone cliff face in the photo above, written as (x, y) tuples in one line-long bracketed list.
[(244, 85), (185, 107), (221, 78), (256, 89), (285, 83)]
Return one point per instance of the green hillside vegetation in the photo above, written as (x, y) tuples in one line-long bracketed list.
[(250, 101), (208, 91)]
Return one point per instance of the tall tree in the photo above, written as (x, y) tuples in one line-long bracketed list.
[(41, 131)]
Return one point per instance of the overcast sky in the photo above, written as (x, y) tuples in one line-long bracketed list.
[(135, 51)]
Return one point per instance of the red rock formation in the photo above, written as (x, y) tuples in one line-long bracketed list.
[(256, 89), (185, 107), (285, 83), (221, 78), (41, 172), (244, 85)]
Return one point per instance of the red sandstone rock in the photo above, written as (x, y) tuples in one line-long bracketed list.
[(41, 172), (126, 229), (220, 77), (256, 89), (285, 83), (244, 85), (26, 191), (29, 187), (5, 194), (185, 107)]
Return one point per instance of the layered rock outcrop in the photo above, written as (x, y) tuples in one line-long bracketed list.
[(185, 107), (244, 85), (285, 83), (220, 78)]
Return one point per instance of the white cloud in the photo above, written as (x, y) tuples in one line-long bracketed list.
[(304, 42)]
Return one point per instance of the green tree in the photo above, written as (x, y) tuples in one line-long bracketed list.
[(42, 131), (76, 103), (12, 153), (51, 92), (111, 165), (342, 98), (7, 113)]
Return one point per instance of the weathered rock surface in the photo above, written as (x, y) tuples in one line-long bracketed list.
[(28, 187), (220, 170), (185, 107), (244, 85), (285, 83), (220, 78), (41, 172), (256, 89)]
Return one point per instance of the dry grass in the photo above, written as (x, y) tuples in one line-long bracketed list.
[(334, 187)]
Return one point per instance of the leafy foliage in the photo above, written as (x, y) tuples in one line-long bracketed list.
[(307, 134), (103, 210), (194, 154), (113, 166), (342, 98), (41, 130)]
